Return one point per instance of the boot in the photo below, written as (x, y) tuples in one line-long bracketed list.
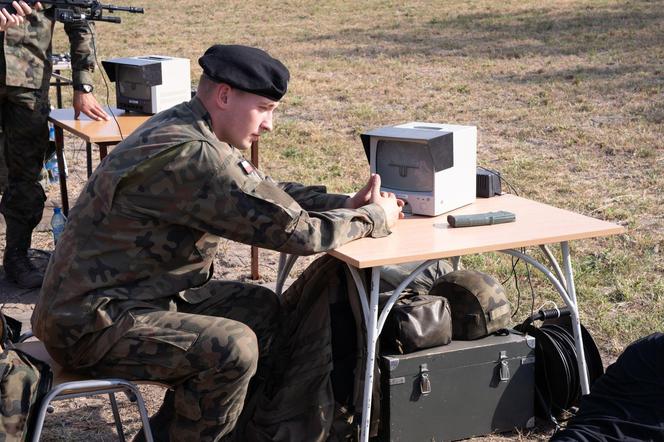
[(18, 267), (21, 271)]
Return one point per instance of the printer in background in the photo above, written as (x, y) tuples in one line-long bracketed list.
[(151, 83)]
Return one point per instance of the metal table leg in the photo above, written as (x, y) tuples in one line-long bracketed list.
[(286, 263), (374, 325), (88, 158), (576, 323), (60, 155), (567, 292)]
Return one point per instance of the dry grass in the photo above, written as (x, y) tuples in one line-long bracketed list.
[(568, 98)]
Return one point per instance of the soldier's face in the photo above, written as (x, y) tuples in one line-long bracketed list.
[(249, 116)]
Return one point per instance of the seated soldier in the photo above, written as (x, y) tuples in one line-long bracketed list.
[(128, 292)]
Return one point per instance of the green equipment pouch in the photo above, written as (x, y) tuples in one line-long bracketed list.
[(24, 381), (417, 322)]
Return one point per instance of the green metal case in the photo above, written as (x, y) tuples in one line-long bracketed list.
[(464, 389)]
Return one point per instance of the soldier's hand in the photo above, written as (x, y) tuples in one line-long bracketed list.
[(388, 201), (88, 104), (363, 196), (8, 20)]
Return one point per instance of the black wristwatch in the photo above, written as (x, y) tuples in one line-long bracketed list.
[(87, 88)]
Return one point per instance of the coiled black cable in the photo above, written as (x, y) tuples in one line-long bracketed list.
[(557, 380)]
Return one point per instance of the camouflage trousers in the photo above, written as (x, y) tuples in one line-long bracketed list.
[(23, 142), (207, 352)]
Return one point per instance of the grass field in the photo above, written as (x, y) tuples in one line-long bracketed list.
[(567, 96), (568, 99)]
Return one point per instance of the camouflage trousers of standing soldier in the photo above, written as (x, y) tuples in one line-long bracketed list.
[(207, 352), (24, 141)]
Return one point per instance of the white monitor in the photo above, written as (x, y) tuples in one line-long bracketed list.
[(150, 83), (432, 167)]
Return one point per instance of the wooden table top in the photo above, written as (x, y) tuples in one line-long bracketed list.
[(92, 131), (418, 238)]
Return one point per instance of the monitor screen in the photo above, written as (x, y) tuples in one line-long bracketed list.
[(130, 83), (405, 165)]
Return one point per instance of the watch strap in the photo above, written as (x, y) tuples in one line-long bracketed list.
[(87, 88)]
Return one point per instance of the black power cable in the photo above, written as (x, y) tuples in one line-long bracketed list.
[(101, 71), (515, 261), (557, 380)]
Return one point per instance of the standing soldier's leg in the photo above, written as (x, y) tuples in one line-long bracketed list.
[(25, 115), (3, 163)]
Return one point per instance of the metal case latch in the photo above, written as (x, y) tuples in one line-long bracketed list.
[(504, 367), (425, 383)]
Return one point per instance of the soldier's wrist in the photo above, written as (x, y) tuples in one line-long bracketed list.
[(83, 87)]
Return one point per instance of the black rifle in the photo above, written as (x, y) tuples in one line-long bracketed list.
[(65, 11)]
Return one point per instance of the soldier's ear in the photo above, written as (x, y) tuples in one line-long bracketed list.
[(221, 97)]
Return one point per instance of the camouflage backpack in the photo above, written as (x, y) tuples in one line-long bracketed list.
[(23, 381), (316, 386)]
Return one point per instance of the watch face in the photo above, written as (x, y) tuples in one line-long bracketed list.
[(87, 88)]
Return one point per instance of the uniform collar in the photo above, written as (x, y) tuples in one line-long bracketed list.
[(199, 110), (201, 114)]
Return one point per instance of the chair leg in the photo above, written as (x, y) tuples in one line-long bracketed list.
[(116, 416), (84, 389), (145, 417), (38, 424)]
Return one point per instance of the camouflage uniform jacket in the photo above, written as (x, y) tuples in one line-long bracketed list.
[(147, 225), (27, 49)]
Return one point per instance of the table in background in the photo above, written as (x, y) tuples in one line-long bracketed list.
[(102, 133), (60, 65), (105, 134), (418, 238)]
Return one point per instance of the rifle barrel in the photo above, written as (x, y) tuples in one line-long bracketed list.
[(131, 9)]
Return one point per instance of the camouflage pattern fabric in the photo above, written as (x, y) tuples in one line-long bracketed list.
[(25, 71), (147, 225), (478, 302), (23, 384), (24, 135), (298, 401), (392, 275), (208, 352), (27, 49)]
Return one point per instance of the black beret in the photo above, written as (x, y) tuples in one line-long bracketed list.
[(249, 69)]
